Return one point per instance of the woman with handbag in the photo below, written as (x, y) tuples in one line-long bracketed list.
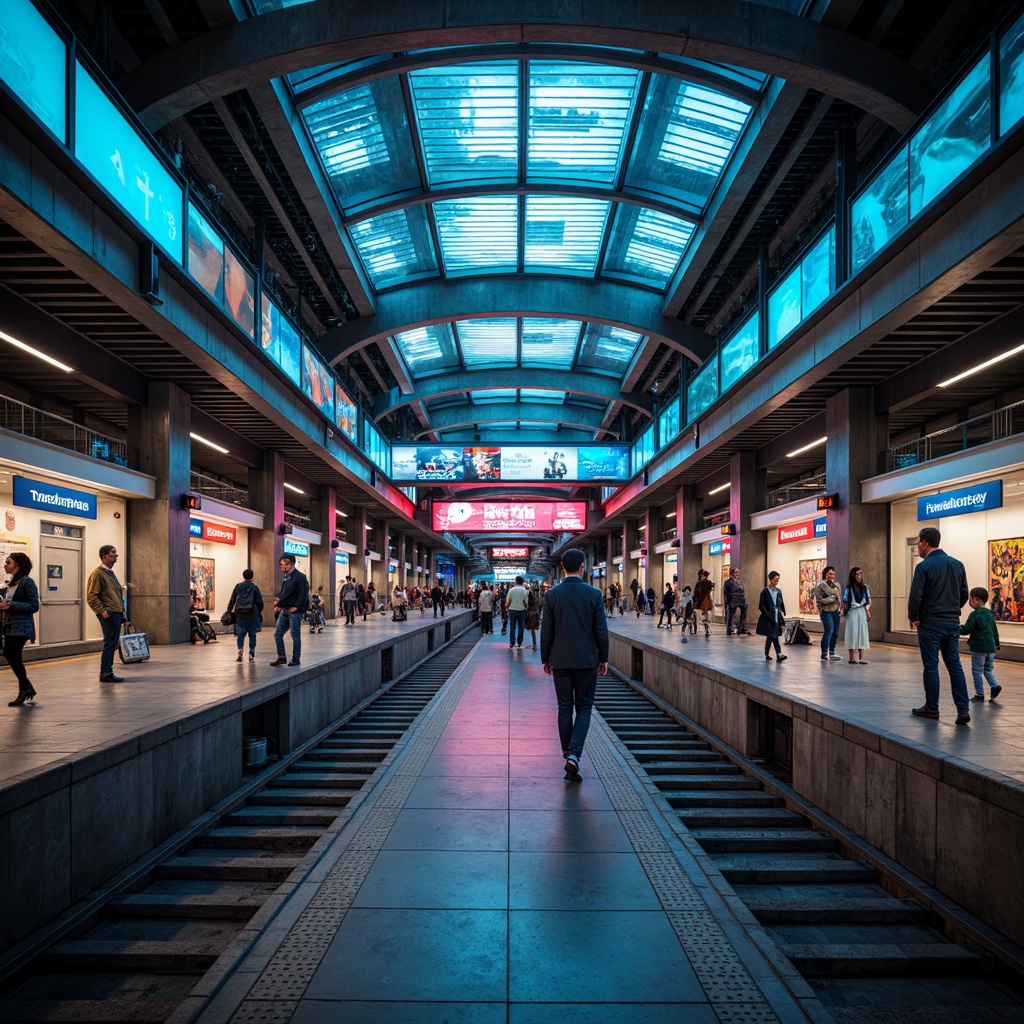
[(771, 620), (19, 601)]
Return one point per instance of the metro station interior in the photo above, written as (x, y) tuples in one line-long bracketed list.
[(425, 295)]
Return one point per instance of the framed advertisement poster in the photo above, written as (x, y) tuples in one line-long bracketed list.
[(1006, 579), (202, 583), (811, 573)]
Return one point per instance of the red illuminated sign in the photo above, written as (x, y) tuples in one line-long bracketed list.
[(501, 516), (510, 552), (799, 531)]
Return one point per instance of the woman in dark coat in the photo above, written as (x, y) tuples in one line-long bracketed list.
[(771, 619), (19, 601)]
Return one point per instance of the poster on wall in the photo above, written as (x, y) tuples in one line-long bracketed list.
[(1006, 582), (11, 542), (202, 583), (811, 572)]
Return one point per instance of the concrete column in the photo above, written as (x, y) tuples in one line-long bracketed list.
[(857, 534), (630, 565), (266, 495), (748, 549), (688, 521), (323, 512), (157, 566), (361, 564), (402, 547)]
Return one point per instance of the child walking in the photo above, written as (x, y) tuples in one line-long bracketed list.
[(983, 642)]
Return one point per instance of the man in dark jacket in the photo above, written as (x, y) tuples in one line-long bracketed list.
[(735, 596), (291, 603), (437, 600), (574, 650), (937, 594)]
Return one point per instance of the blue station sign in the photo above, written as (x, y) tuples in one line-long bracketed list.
[(296, 547), (51, 498), (961, 502)]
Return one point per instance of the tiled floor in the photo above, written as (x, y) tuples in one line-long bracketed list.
[(476, 884)]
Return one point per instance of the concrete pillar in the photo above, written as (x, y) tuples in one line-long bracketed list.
[(748, 548), (402, 546), (323, 512), (688, 521), (157, 566), (630, 565), (360, 567), (266, 495), (857, 534)]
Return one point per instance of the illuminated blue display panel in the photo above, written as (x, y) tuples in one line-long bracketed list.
[(458, 464), (345, 412), (33, 64), (317, 382), (126, 167)]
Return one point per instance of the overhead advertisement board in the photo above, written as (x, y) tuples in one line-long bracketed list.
[(510, 552), (509, 463), (501, 516)]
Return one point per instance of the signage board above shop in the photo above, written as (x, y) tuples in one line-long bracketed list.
[(502, 516), (719, 547), (295, 547), (510, 552), (977, 498), (200, 529), (51, 498), (809, 530)]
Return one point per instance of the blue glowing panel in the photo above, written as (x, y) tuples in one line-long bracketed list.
[(702, 390), (362, 160), (607, 349), (784, 311), (395, 246), (564, 233), (880, 212), (478, 234), (538, 395), (317, 382), (951, 139), (646, 245), (578, 117), (270, 330), (818, 273), (740, 352), (239, 292), (290, 352), (468, 121), (668, 422), (428, 349), (33, 64), (125, 166), (492, 397), (345, 412), (489, 341), (205, 254), (1011, 76), (549, 343)]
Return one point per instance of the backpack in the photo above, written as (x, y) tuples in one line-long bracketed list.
[(245, 604)]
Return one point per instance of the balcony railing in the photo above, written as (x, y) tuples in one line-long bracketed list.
[(971, 433), (794, 492), (45, 426), (716, 518), (222, 490)]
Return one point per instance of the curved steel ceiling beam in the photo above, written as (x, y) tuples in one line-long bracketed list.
[(754, 36), (439, 301), (465, 416)]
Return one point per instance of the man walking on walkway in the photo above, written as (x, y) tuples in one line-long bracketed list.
[(937, 594), (516, 600), (735, 597), (349, 595), (291, 603), (574, 650)]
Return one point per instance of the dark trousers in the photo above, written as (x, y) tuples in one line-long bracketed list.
[(574, 687), (111, 626), (350, 611), (14, 647)]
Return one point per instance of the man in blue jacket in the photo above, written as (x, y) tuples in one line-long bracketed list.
[(574, 650), (937, 594), (291, 604)]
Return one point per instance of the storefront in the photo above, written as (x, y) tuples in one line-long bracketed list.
[(300, 543), (218, 553), (798, 552)]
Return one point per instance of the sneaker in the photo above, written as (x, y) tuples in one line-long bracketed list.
[(252, 656), (239, 658), (111, 679), (963, 717), (782, 657), (824, 657), (294, 661), (978, 698), (996, 690), (572, 769), (519, 647), (924, 712), (834, 657), (280, 661)]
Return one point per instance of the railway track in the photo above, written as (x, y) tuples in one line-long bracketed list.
[(870, 950), (145, 951)]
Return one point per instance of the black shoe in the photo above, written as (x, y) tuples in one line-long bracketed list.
[(111, 679), (239, 658), (280, 661), (294, 661), (23, 696), (924, 712), (978, 698), (767, 657), (728, 633), (996, 690), (782, 657), (743, 632), (963, 717), (572, 770)]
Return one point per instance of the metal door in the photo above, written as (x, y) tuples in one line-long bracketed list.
[(60, 589)]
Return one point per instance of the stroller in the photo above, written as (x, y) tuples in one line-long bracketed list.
[(315, 616)]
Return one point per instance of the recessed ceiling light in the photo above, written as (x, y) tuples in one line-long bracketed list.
[(722, 488), (981, 366), (35, 352), (297, 490), (209, 444), (806, 447)]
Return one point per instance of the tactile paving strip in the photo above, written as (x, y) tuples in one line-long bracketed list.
[(730, 988)]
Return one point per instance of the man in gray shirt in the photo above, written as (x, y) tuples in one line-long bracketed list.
[(515, 601)]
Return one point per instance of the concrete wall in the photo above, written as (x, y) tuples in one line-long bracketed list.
[(958, 827), (67, 830)]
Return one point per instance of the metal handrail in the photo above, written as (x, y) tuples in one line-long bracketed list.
[(960, 437), (222, 490), (794, 492), (20, 418)]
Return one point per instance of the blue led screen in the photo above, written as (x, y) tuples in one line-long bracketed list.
[(33, 64), (1011, 76), (317, 382), (740, 353)]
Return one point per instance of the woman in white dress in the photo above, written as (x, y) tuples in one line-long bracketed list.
[(857, 607)]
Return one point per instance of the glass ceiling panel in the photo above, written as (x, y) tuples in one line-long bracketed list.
[(428, 349), (490, 341), (490, 397), (607, 348), (742, 76), (309, 77), (362, 135), (646, 245), (549, 342), (563, 233), (479, 234), (577, 120), (468, 119), (535, 395), (395, 246)]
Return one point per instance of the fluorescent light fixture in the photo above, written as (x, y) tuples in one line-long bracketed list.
[(982, 366), (35, 352), (209, 444), (344, 515), (722, 488), (369, 529), (806, 447), (297, 490)]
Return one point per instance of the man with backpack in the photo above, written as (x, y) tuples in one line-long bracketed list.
[(246, 605)]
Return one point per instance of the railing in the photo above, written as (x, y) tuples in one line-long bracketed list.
[(45, 426), (960, 437), (716, 518), (794, 492), (669, 534), (222, 490)]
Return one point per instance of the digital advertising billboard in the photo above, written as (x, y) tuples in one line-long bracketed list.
[(509, 463), (502, 516)]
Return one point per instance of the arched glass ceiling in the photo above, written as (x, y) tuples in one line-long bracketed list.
[(498, 166)]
